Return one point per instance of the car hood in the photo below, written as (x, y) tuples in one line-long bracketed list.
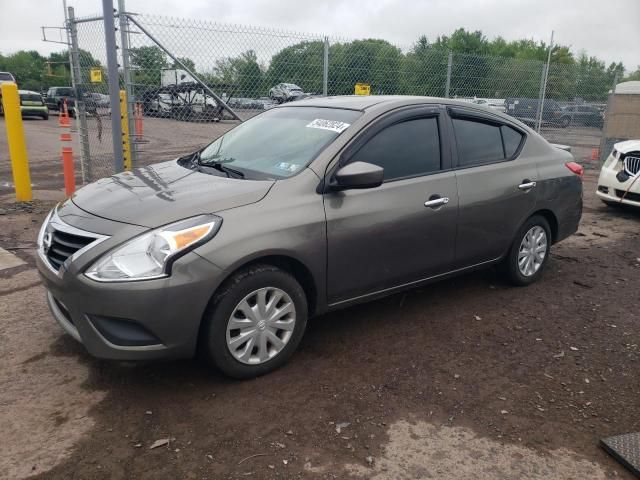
[(627, 146), (165, 192)]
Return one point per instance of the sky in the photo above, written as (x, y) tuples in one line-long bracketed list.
[(607, 29)]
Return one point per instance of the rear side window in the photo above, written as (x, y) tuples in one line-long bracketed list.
[(479, 143), (511, 139), (406, 149)]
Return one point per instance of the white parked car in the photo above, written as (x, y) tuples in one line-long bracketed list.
[(494, 103), (619, 180)]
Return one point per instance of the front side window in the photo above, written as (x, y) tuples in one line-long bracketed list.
[(279, 142), (479, 143), (405, 149)]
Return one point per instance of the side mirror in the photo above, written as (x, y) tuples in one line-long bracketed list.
[(358, 175)]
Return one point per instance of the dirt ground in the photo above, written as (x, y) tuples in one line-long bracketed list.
[(468, 378)]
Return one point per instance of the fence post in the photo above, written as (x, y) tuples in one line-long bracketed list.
[(545, 76), (541, 97), (448, 85), (607, 116), (126, 73), (76, 81), (325, 68), (114, 83)]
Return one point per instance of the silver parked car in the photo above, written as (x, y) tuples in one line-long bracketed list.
[(229, 250), (285, 92)]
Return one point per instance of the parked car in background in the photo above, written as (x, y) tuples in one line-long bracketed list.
[(286, 92), (4, 78), (56, 97), (32, 105), (585, 115), (619, 180), (494, 103), (526, 110), (305, 208)]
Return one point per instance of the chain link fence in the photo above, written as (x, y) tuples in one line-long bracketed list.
[(188, 81)]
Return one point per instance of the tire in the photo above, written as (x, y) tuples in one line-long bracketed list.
[(45, 116), (511, 268), (215, 336), (565, 121)]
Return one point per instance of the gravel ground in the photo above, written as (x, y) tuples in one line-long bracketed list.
[(468, 378)]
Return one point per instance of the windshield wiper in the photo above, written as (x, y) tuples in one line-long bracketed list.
[(223, 168), (220, 165)]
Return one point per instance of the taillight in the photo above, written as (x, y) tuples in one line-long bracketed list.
[(575, 168)]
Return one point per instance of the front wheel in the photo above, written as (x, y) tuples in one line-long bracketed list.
[(529, 252), (255, 323)]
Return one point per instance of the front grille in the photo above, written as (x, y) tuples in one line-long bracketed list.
[(63, 245), (632, 163), (634, 197)]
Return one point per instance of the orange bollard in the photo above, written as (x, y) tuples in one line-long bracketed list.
[(63, 116), (595, 154), (67, 168)]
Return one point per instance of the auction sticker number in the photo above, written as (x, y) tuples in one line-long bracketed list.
[(333, 125)]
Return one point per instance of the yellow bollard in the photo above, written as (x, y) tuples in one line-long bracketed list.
[(17, 145), (124, 119)]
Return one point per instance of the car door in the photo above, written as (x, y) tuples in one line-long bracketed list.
[(403, 230), (496, 184)]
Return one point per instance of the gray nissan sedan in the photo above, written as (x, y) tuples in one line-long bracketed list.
[(305, 208)]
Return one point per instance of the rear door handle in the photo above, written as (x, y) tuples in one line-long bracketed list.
[(526, 185), (436, 201)]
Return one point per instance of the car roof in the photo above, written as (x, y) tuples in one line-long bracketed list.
[(28, 92), (364, 102)]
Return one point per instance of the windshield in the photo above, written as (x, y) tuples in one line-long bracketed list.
[(280, 142)]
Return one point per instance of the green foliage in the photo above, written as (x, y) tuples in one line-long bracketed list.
[(147, 63), (633, 75), (243, 74), (301, 64), (480, 67)]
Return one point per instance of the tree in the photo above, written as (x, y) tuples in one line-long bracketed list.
[(242, 72), (371, 61), (190, 64), (633, 75), (148, 63), (301, 64)]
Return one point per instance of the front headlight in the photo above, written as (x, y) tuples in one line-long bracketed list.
[(151, 254)]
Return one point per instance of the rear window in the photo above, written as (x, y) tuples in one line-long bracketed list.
[(30, 99), (6, 77), (479, 143)]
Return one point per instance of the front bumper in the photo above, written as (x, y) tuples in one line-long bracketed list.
[(138, 320), (610, 189)]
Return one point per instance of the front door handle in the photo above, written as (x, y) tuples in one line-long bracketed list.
[(436, 201), (526, 185)]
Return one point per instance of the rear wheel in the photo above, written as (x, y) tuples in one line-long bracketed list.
[(45, 116), (565, 121), (256, 322), (529, 252)]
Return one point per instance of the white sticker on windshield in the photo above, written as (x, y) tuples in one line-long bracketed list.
[(288, 167), (332, 125)]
